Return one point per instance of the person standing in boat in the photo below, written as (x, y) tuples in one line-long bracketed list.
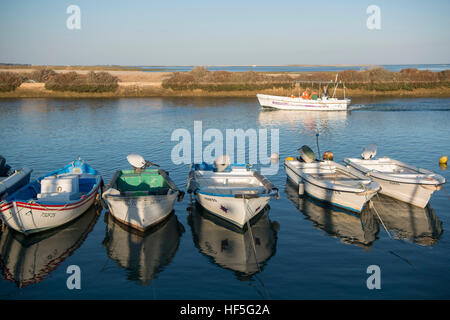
[(305, 94), (325, 92)]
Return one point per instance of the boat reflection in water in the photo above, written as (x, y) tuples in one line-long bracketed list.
[(142, 254), (356, 229), (230, 247), (30, 259), (406, 221), (311, 121)]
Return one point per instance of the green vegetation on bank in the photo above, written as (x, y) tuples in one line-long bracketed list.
[(46, 82), (70, 81), (9, 81), (91, 82), (377, 79)]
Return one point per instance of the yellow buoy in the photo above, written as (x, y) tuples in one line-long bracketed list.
[(289, 159), (443, 160)]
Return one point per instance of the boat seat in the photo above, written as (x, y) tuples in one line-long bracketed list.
[(59, 196)]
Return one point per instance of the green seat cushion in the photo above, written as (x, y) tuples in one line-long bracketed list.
[(147, 182)]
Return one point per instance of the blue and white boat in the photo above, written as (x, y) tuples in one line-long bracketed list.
[(53, 199), (233, 192)]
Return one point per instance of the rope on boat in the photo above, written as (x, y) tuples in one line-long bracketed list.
[(381, 220), (247, 210), (374, 209)]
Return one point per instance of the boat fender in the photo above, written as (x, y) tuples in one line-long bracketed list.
[(301, 188)]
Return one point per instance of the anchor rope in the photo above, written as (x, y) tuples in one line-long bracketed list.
[(254, 246)]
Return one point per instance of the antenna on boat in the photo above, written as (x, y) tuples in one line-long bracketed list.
[(317, 143)]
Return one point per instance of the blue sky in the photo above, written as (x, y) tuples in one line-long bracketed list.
[(224, 32)]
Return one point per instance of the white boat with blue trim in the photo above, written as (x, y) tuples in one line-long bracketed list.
[(53, 199), (329, 181), (234, 193)]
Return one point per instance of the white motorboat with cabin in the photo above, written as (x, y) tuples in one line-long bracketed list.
[(318, 100), (329, 181), (397, 179), (232, 192)]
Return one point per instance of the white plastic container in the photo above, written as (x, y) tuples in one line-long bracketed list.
[(59, 184)]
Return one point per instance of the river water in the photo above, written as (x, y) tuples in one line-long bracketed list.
[(305, 249)]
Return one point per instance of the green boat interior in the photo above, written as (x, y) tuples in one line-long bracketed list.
[(148, 182)]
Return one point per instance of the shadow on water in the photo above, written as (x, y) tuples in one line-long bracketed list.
[(142, 254), (230, 247), (407, 222), (417, 225), (360, 230), (30, 259)]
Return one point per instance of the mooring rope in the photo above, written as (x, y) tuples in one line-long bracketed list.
[(254, 246)]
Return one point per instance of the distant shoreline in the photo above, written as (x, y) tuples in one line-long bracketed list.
[(137, 83)]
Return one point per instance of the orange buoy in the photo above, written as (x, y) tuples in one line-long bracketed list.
[(328, 155)]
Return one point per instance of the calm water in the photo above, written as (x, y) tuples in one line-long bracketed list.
[(390, 67), (306, 249)]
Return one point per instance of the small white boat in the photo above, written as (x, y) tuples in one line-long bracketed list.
[(297, 103), (397, 179), (317, 101), (331, 182), (234, 193), (53, 199), (141, 197)]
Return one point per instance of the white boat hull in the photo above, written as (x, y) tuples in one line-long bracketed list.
[(141, 212), (416, 194), (234, 210), (288, 103), (347, 200), (32, 217)]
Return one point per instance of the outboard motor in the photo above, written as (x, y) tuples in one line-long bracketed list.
[(369, 152), (4, 168), (222, 162), (306, 154)]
